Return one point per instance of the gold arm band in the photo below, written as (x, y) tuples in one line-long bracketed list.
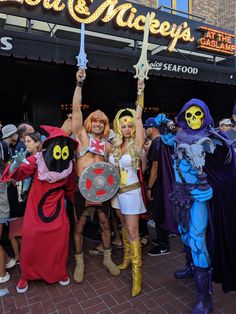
[(140, 100), (130, 187)]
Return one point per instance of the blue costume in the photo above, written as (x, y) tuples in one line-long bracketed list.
[(197, 146)]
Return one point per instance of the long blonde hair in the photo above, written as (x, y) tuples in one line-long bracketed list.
[(133, 151)]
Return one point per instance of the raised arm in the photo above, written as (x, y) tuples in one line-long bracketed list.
[(77, 117), (139, 110)]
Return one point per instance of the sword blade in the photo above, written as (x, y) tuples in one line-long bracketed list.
[(142, 67), (82, 56)]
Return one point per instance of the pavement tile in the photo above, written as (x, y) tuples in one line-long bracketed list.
[(66, 303), (76, 309), (100, 293), (108, 300), (123, 307), (91, 302), (36, 308), (48, 306), (9, 303)]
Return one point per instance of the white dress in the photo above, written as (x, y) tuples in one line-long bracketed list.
[(131, 202)]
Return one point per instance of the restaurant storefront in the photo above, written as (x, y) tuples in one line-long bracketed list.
[(188, 59)]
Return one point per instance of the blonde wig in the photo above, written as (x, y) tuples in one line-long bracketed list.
[(94, 116), (125, 116)]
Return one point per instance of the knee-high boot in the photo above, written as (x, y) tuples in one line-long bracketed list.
[(126, 256), (187, 272), (202, 278), (79, 268), (136, 261)]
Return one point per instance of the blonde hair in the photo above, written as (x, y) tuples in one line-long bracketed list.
[(118, 140), (94, 116)]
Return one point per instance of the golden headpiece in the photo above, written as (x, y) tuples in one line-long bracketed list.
[(123, 116)]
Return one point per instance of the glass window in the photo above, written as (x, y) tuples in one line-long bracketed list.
[(182, 5), (166, 3)]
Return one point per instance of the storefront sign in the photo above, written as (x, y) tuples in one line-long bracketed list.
[(171, 67), (5, 43), (216, 40), (124, 15)]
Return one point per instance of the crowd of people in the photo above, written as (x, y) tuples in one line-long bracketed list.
[(177, 170)]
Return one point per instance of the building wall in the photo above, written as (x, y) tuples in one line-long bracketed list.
[(221, 13), (227, 14), (206, 9)]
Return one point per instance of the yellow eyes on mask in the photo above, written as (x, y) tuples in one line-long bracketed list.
[(59, 153), (194, 117)]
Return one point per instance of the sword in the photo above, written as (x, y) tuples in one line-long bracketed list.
[(82, 56), (142, 67)]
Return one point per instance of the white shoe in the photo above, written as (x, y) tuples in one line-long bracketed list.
[(11, 263), (5, 278), (64, 282)]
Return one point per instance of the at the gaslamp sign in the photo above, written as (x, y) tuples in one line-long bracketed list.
[(125, 15), (216, 40)]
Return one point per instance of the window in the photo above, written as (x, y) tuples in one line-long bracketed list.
[(184, 6), (180, 5), (166, 3)]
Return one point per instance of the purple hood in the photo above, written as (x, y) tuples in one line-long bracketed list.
[(208, 121)]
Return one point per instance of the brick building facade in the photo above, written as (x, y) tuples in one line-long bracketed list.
[(221, 13)]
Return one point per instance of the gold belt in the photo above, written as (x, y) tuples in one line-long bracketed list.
[(128, 188)]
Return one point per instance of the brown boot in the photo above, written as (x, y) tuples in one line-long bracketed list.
[(79, 268), (126, 256), (108, 263), (136, 260)]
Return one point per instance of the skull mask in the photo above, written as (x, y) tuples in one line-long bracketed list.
[(194, 117)]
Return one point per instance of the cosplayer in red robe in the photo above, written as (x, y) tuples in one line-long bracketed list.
[(45, 231)]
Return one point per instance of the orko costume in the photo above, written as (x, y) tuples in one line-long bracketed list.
[(45, 231)]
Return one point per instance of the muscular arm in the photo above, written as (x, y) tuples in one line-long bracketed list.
[(77, 117)]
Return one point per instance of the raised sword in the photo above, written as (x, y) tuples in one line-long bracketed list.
[(82, 56), (142, 67)]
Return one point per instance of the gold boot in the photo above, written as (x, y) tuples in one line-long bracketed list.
[(136, 260), (126, 257), (108, 263), (79, 268)]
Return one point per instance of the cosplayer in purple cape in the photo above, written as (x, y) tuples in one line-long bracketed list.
[(204, 199)]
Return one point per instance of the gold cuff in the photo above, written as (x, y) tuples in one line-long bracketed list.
[(140, 100)]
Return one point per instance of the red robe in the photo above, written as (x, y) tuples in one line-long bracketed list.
[(44, 250)]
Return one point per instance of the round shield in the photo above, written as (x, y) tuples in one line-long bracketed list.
[(99, 182)]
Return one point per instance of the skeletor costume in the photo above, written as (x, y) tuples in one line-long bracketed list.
[(45, 231), (204, 198)]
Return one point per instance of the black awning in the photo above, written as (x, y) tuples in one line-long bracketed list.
[(58, 50)]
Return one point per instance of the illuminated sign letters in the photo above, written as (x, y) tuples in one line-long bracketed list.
[(5, 43), (124, 15), (215, 40)]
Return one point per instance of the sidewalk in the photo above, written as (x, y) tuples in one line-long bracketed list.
[(101, 293)]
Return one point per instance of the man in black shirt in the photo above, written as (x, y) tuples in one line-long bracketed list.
[(161, 244)]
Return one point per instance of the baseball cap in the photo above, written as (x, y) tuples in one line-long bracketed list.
[(8, 130), (225, 122), (150, 123)]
